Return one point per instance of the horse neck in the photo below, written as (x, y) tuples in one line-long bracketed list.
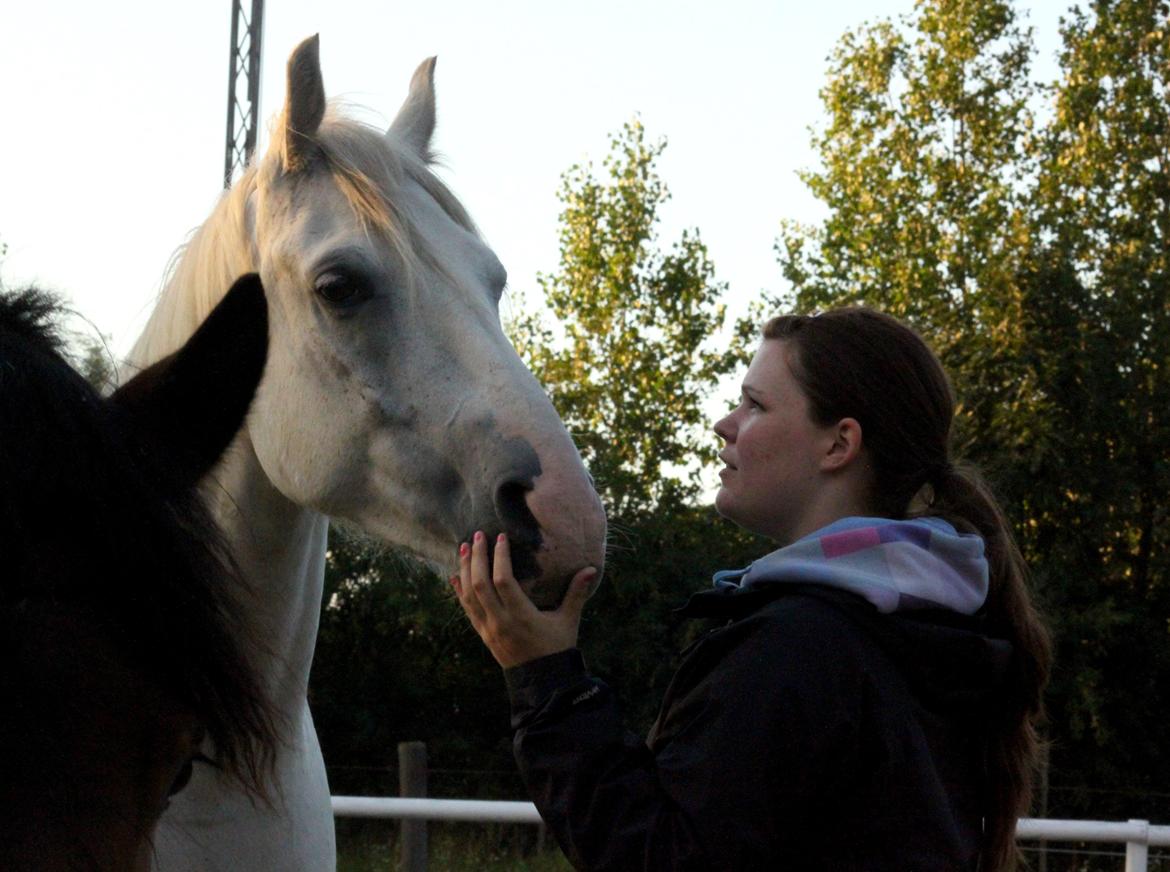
[(279, 547)]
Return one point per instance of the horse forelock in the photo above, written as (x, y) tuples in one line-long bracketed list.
[(368, 157), (370, 170)]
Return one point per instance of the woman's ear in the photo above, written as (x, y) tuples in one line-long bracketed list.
[(846, 446)]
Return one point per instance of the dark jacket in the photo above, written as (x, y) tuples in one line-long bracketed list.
[(808, 732)]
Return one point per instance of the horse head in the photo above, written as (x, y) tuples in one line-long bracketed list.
[(393, 399), (119, 635)]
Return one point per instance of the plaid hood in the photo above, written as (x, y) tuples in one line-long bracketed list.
[(897, 566)]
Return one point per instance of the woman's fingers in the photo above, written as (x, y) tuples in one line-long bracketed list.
[(510, 625), (481, 575), (577, 594), (465, 589), (502, 565), (511, 596)]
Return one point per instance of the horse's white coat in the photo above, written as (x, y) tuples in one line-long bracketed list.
[(403, 414)]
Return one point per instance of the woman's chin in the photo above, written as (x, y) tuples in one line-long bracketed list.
[(723, 502)]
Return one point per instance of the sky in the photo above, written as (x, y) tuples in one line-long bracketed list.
[(114, 117)]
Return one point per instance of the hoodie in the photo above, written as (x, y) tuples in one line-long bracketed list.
[(835, 718)]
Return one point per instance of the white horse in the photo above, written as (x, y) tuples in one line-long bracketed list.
[(391, 400)]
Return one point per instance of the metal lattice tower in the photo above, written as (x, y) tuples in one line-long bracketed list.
[(244, 69)]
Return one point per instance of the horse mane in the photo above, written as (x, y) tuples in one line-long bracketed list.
[(368, 168), (90, 525), (34, 316)]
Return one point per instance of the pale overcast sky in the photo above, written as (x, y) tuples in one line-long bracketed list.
[(114, 119)]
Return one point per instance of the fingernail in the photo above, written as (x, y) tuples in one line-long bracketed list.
[(479, 535), (501, 538), (452, 580), (463, 549)]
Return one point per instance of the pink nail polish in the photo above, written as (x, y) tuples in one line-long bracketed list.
[(479, 535), (501, 538), (463, 549)]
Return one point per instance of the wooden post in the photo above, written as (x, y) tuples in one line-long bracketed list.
[(412, 781), (1044, 760)]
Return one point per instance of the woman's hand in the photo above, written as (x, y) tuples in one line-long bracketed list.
[(514, 630)]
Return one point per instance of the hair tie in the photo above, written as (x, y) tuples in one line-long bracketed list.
[(922, 501)]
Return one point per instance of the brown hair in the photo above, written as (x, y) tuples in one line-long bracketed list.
[(863, 364)]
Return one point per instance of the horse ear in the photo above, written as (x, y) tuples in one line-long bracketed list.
[(415, 122), (304, 105), (192, 403)]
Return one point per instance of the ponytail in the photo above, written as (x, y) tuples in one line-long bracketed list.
[(1013, 745)]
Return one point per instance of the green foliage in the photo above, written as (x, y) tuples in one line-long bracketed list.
[(372, 846), (1102, 208), (923, 159), (93, 360), (1034, 258), (634, 354), (397, 661)]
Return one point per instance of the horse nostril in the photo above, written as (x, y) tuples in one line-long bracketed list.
[(512, 508), (517, 520)]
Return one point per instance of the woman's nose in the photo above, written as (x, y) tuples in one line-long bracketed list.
[(724, 429)]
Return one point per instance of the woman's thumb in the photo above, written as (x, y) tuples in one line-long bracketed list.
[(579, 589)]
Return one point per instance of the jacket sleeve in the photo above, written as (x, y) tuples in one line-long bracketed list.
[(592, 781), (750, 751)]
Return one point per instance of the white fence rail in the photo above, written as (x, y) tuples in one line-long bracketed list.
[(405, 808), (1136, 835)]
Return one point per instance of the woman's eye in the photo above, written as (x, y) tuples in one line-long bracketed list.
[(338, 288)]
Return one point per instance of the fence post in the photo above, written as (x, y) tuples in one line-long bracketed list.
[(412, 781), (1044, 766), (1137, 854)]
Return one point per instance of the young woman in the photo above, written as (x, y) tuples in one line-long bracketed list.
[(870, 701)]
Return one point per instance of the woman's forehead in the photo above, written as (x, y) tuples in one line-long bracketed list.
[(770, 371)]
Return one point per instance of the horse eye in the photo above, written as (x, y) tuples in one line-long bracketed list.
[(184, 776), (182, 779), (339, 288)]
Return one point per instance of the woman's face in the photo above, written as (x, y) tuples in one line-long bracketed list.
[(774, 451)]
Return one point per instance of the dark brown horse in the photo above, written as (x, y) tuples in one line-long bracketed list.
[(120, 661)]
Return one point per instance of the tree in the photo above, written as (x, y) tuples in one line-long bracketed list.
[(927, 160), (637, 354), (94, 361), (1102, 207), (924, 156), (1034, 260)]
